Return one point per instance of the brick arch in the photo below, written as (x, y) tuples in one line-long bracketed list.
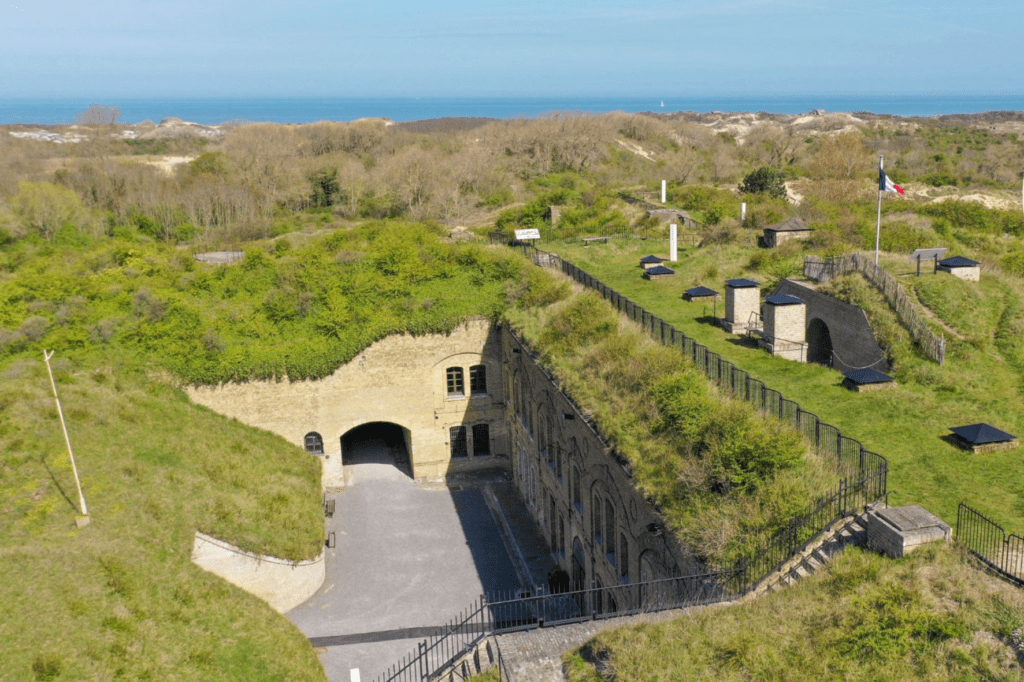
[(378, 442)]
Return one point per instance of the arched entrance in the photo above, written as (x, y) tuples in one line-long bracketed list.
[(377, 443), (579, 563), (819, 343)]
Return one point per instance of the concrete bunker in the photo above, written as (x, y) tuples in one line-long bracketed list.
[(378, 443), (819, 342)]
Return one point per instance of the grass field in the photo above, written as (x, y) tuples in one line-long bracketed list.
[(981, 380), (120, 598)]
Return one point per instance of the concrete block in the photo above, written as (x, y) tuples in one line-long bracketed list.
[(898, 530)]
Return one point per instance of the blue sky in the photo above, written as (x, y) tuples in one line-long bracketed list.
[(147, 48)]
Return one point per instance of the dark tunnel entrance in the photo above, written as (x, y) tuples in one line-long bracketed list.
[(378, 443), (819, 343)]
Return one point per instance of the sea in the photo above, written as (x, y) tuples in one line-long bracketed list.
[(218, 110)]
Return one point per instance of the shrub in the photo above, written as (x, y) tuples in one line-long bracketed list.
[(764, 180)]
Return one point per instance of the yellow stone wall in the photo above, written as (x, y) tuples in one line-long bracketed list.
[(401, 380)]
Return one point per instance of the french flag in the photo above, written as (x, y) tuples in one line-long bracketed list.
[(887, 185)]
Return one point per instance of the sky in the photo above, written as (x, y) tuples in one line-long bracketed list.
[(339, 48)]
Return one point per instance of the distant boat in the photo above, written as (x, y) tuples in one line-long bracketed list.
[(662, 102)]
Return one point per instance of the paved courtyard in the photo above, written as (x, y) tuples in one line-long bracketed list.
[(408, 558)]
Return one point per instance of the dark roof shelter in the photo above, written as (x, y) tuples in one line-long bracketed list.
[(658, 271), (958, 262), (647, 260), (783, 299), (982, 437), (741, 283), (699, 292), (867, 379)]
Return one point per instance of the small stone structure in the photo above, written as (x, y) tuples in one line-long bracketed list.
[(220, 257), (648, 262), (282, 584), (673, 215), (785, 320), (867, 379), (658, 272), (794, 228), (742, 305), (964, 268), (700, 294), (982, 438), (895, 531)]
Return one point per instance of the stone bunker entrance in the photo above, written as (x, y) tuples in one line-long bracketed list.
[(378, 443), (819, 343)]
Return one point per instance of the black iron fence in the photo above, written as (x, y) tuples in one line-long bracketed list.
[(988, 541), (863, 481)]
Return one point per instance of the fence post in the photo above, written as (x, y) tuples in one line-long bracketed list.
[(423, 660)]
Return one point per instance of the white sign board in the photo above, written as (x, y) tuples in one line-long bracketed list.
[(673, 242), (527, 234)]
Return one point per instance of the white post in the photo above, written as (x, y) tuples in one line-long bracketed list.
[(673, 242), (743, 211), (53, 385), (663, 191), (878, 227)]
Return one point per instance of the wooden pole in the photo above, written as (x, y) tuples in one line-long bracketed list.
[(81, 497)]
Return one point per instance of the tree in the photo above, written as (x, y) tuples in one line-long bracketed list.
[(765, 180), (98, 115), (44, 207)]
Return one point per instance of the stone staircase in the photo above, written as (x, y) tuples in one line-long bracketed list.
[(851, 530)]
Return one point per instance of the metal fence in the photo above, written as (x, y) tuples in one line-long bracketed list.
[(863, 481), (989, 542), (824, 269)]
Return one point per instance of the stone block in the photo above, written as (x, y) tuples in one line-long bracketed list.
[(896, 531)]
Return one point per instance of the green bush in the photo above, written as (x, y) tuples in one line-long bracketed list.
[(764, 180)]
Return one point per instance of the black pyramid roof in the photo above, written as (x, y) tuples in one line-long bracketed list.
[(979, 434), (783, 299), (867, 376), (697, 292), (660, 270), (652, 259), (958, 262), (741, 283)]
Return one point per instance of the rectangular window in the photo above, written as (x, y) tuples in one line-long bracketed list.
[(609, 531), (478, 379), (577, 500), (481, 440), (623, 558), (561, 535), (458, 441), (456, 386), (551, 522), (595, 521), (558, 464)]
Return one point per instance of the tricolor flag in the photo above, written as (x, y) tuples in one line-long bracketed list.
[(887, 185)]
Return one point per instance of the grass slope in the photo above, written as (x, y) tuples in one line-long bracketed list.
[(907, 424), (928, 616)]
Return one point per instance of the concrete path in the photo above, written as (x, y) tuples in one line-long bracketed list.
[(408, 558)]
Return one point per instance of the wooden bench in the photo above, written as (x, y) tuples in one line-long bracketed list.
[(588, 240), (329, 508)]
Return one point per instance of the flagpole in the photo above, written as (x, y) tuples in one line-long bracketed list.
[(878, 227)]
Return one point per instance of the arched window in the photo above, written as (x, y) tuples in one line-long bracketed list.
[(595, 520), (478, 380), (456, 384), (577, 499), (314, 443)]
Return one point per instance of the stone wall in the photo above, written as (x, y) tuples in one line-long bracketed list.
[(576, 488), (784, 330), (402, 380), (848, 329), (282, 584), (739, 304)]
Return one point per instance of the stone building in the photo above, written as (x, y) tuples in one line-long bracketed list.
[(784, 332), (475, 399), (742, 305), (794, 228), (964, 268)]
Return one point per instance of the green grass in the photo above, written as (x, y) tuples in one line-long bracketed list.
[(722, 476), (928, 616), (120, 598), (906, 424)]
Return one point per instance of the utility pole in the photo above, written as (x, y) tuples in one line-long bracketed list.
[(82, 520)]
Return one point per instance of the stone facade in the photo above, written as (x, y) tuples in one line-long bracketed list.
[(970, 273), (402, 380), (741, 304), (600, 529), (784, 330)]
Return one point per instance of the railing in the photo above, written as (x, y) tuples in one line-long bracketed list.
[(863, 481), (989, 542), (822, 270)]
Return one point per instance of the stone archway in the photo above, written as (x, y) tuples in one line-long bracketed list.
[(819, 343), (377, 443)]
